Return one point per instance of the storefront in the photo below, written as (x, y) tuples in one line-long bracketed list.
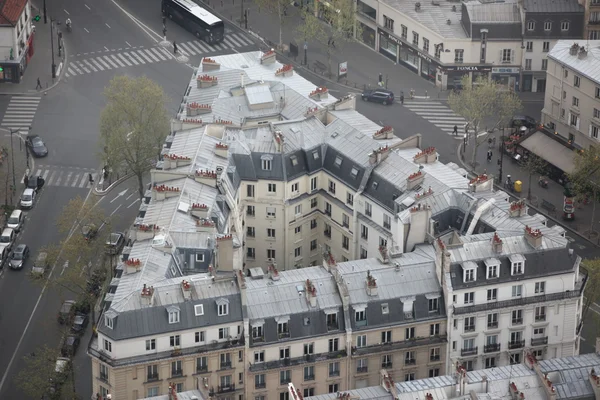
[(507, 76), (428, 67), (367, 35), (454, 74), (389, 45), (410, 58)]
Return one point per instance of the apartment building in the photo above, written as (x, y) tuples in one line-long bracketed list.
[(17, 39), (572, 101), (592, 19), (546, 22)]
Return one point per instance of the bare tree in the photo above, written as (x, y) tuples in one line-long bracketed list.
[(279, 9), (585, 179), (483, 102), (534, 165), (134, 125)]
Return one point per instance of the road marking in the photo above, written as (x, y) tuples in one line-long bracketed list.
[(127, 43), (107, 25), (128, 197), (135, 201), (119, 55), (85, 29), (116, 209), (100, 59), (66, 11), (106, 48), (116, 60), (88, 7)]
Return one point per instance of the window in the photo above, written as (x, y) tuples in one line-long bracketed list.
[(576, 81), (517, 268), (334, 369), (517, 317), (575, 101), (415, 38), (108, 321), (309, 348), (597, 92), (285, 377), (332, 187), (354, 172), (175, 340), (469, 297), (434, 329), (492, 271), (529, 46), (284, 353), (152, 391), (313, 184), (426, 45), (530, 25), (270, 233), (410, 376), (224, 362), (385, 308), (539, 331), (345, 242), (364, 232), (517, 290), (349, 199), (250, 231), (250, 190), (201, 364), (272, 188), (260, 381), (433, 372), (314, 202), (199, 309), (298, 252), (469, 344), (224, 333), (257, 332), (492, 321), (540, 314), (564, 26), (409, 358), (540, 287), (223, 309), (459, 55), (490, 362), (338, 161), (313, 245), (387, 221), (199, 336), (548, 25), (386, 361), (433, 304), (506, 56), (565, 72), (266, 164), (284, 395), (270, 212), (328, 208), (295, 187), (409, 333), (469, 275), (544, 64), (250, 211), (515, 358), (334, 388), (309, 373), (174, 316), (388, 23), (150, 344), (333, 344), (176, 368), (250, 252), (528, 64), (594, 130), (360, 316), (492, 294), (574, 121), (152, 372), (271, 253), (545, 47), (404, 32), (386, 337), (361, 341), (469, 324), (345, 220)]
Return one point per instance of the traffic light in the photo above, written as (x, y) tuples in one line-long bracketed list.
[(36, 18)]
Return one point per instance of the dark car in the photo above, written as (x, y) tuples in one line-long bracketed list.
[(36, 146), (34, 182), (382, 96), (66, 311), (115, 242), (69, 346), (523, 120), (89, 231), (79, 323), (19, 256)]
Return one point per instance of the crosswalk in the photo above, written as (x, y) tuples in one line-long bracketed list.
[(20, 112), (438, 114), (64, 176), (150, 55)]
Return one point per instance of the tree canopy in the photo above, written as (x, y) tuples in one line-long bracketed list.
[(585, 179)]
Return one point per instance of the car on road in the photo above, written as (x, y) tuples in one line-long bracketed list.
[(37, 146), (40, 265), (66, 311), (7, 238), (4, 254), (89, 231), (382, 96), (18, 257), (35, 182), (523, 120), (115, 243), (16, 220), (69, 346), (80, 322), (27, 199)]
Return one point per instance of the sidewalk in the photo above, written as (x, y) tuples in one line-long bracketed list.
[(6, 173), (40, 65), (552, 194)]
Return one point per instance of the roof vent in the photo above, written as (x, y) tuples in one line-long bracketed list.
[(574, 49), (418, 6), (449, 22)]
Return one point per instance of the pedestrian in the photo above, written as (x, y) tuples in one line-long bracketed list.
[(455, 131), (489, 155), (26, 180), (174, 47), (91, 178), (39, 84), (165, 32)]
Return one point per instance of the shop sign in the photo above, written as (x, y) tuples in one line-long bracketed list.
[(505, 70), (389, 37), (425, 57), (469, 68), (342, 69)]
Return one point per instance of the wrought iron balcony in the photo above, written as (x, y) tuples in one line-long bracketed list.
[(176, 373), (405, 344), (334, 373), (491, 348), (468, 352), (469, 328), (226, 388), (225, 365), (290, 362), (201, 369), (283, 335), (103, 377), (327, 233), (492, 325), (362, 370), (260, 385), (540, 318), (285, 381), (517, 321), (309, 377), (542, 341), (386, 364), (434, 358), (411, 361), (517, 344), (151, 377)]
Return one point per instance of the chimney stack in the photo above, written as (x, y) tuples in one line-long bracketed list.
[(533, 237), (496, 243), (371, 284), (147, 296)]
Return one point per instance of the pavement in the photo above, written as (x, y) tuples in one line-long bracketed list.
[(19, 152)]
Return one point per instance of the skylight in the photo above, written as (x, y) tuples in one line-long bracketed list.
[(338, 161)]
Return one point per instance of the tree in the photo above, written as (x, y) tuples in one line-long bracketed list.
[(134, 125), (534, 165), (585, 179), (592, 287), (279, 9), (483, 101), (341, 17)]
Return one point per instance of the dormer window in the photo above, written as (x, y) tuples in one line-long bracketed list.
[(385, 308), (469, 271), (294, 160), (492, 268), (108, 321), (354, 172), (199, 309), (360, 316), (174, 313), (222, 307), (266, 162), (408, 307), (517, 268), (316, 155), (199, 257), (433, 302), (338, 161), (517, 264)]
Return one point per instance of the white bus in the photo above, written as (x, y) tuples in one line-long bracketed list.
[(196, 19)]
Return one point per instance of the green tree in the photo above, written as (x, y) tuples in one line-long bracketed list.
[(592, 288), (134, 125), (585, 179), (341, 15), (483, 102), (279, 9), (534, 165)]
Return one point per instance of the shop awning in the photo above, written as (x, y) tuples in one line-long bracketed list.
[(550, 150)]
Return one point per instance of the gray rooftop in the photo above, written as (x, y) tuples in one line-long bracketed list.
[(588, 66), (188, 395), (553, 6), (432, 16), (493, 13)]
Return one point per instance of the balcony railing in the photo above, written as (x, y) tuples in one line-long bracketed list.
[(309, 377), (285, 381), (327, 233), (517, 321), (468, 352), (542, 341), (290, 362), (334, 373), (151, 377), (386, 364), (492, 325), (469, 328), (523, 301), (333, 327), (225, 365), (103, 377), (434, 358), (226, 388), (283, 335), (260, 385), (258, 339), (362, 370), (491, 348), (516, 344), (176, 373), (410, 361), (201, 369), (540, 318), (405, 344)]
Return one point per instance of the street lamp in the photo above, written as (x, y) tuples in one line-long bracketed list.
[(51, 43), (501, 159), (305, 57)]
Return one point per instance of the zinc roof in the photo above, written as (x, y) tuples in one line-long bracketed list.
[(493, 13), (588, 66)]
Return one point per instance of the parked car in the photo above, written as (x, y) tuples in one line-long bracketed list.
[(27, 198), (18, 257), (79, 323), (66, 311), (115, 243), (40, 265), (69, 346), (89, 231), (7, 238), (37, 146), (61, 373), (16, 220), (4, 254), (523, 120), (35, 182), (382, 96)]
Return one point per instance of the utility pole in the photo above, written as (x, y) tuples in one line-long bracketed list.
[(52, 45), (12, 156)]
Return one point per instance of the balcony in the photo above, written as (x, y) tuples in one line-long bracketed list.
[(540, 318), (517, 321), (151, 377), (469, 328), (410, 361), (491, 348), (363, 322), (328, 233), (176, 373), (201, 369), (290, 362), (283, 335), (226, 388), (257, 339), (103, 377), (523, 301), (468, 352), (405, 344), (596, 22), (309, 377), (225, 365), (285, 381), (332, 326), (386, 364), (434, 358), (362, 370), (541, 341), (387, 225), (516, 344), (492, 325), (334, 373), (260, 385)]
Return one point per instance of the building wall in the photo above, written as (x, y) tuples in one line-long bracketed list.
[(11, 37)]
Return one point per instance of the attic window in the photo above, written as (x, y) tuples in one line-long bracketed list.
[(223, 307), (199, 257), (385, 308), (354, 172), (338, 161), (294, 160), (108, 321), (316, 155), (517, 268), (173, 316), (266, 162), (306, 321), (199, 309)]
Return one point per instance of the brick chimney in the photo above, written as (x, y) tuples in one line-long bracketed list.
[(383, 254), (194, 109), (329, 260), (132, 265), (199, 210), (371, 284), (415, 179), (347, 102), (225, 253), (427, 156), (533, 237), (378, 155), (278, 140), (221, 150), (208, 64), (311, 293), (206, 177), (273, 271), (161, 192), (268, 57), (496, 243), (517, 208), (387, 132), (171, 161), (595, 382), (481, 183), (186, 289), (205, 81), (147, 296), (205, 225), (144, 231)]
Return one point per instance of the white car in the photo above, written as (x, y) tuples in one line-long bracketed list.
[(27, 198)]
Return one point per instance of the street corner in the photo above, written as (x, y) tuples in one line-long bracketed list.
[(104, 184)]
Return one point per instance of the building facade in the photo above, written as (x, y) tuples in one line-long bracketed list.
[(16, 39), (572, 101), (592, 19)]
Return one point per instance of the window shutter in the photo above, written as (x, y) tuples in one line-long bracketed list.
[(569, 118), (577, 123), (501, 56), (590, 130), (512, 56)]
